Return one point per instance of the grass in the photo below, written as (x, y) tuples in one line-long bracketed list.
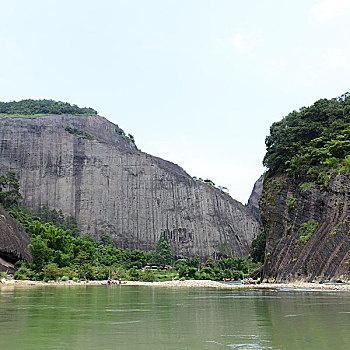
[(164, 275)]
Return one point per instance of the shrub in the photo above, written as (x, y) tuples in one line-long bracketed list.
[(134, 274), (51, 272), (237, 275), (79, 133), (306, 230), (188, 272), (147, 276), (23, 273)]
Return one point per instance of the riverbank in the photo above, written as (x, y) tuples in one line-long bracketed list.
[(189, 284)]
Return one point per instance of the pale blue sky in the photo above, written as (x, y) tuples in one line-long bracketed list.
[(197, 82)]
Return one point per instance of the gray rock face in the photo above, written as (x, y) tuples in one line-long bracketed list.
[(14, 242), (111, 187), (253, 201), (292, 209)]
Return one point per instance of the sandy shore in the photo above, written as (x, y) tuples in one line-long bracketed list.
[(190, 284)]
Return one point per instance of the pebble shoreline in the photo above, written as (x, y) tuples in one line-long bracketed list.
[(189, 284)]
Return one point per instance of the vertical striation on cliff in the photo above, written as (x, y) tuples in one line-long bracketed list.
[(307, 229), (254, 198), (111, 187)]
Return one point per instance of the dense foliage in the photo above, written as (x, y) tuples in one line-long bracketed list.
[(79, 133), (9, 189), (228, 268), (32, 107), (60, 252), (57, 253), (57, 218), (163, 255), (257, 251), (313, 141)]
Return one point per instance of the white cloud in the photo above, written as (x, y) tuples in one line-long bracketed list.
[(337, 59), (239, 42), (328, 9), (247, 41)]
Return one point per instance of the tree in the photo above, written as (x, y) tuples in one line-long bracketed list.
[(257, 252), (9, 189), (163, 255)]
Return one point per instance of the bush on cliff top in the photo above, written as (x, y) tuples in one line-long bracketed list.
[(312, 141), (33, 107)]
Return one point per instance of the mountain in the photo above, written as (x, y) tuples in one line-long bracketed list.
[(254, 198), (305, 202), (86, 166)]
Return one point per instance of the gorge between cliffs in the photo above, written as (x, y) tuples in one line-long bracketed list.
[(296, 222)]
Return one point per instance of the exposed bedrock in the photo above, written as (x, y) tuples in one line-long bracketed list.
[(111, 187), (307, 229), (14, 242), (253, 201)]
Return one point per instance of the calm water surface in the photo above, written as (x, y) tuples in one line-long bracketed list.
[(130, 317)]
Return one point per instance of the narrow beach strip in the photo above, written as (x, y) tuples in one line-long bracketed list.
[(296, 286)]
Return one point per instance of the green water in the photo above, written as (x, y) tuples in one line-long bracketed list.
[(127, 317)]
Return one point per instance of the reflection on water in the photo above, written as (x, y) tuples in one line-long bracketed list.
[(130, 317)]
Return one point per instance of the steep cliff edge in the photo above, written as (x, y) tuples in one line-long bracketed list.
[(111, 187), (254, 198), (305, 200), (14, 242), (308, 229)]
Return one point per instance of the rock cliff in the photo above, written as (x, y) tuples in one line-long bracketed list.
[(253, 201), (111, 187), (307, 229), (14, 242)]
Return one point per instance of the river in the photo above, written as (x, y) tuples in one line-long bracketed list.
[(134, 317)]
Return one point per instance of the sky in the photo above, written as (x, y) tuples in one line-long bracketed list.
[(197, 82)]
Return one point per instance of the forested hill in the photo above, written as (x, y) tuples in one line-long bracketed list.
[(34, 107), (311, 142), (305, 203)]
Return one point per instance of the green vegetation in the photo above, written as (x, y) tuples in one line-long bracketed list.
[(163, 255), (57, 218), (228, 268), (257, 252), (313, 142), (292, 202), (30, 107), (59, 252), (121, 133), (210, 183), (306, 186), (306, 230), (9, 189), (79, 133), (58, 255), (334, 232)]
